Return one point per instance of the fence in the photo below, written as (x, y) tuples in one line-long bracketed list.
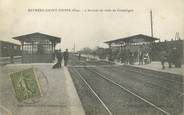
[(8, 60)]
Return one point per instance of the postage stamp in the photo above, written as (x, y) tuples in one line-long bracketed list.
[(25, 84)]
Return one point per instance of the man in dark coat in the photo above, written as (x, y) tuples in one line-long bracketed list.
[(177, 54), (163, 58), (170, 57), (66, 56), (59, 58)]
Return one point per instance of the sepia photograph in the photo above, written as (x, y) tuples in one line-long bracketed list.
[(91, 57)]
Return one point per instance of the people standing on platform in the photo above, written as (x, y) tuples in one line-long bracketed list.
[(177, 57), (141, 54), (59, 59), (140, 57), (123, 56), (66, 56), (146, 58), (126, 56), (170, 57), (131, 58), (163, 58), (136, 56)]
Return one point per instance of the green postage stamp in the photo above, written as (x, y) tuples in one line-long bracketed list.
[(25, 84)]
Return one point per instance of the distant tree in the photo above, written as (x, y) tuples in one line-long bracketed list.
[(86, 50), (101, 52)]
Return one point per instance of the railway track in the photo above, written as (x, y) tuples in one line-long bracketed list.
[(92, 90), (150, 78), (123, 88), (98, 78), (144, 74)]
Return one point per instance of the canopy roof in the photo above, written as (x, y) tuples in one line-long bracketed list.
[(29, 37), (133, 39)]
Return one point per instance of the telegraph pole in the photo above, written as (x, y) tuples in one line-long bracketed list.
[(151, 17)]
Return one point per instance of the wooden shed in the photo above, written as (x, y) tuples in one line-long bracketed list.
[(38, 47)]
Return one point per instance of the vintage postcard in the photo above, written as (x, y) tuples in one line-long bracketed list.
[(92, 57)]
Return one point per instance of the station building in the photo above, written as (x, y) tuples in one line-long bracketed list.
[(132, 42), (38, 47), (8, 48), (136, 43)]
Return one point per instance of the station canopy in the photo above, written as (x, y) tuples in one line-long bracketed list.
[(38, 47), (133, 39), (35, 36)]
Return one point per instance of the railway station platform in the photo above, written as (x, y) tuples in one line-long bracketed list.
[(59, 94), (156, 66)]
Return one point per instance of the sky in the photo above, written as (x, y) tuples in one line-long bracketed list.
[(91, 29)]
